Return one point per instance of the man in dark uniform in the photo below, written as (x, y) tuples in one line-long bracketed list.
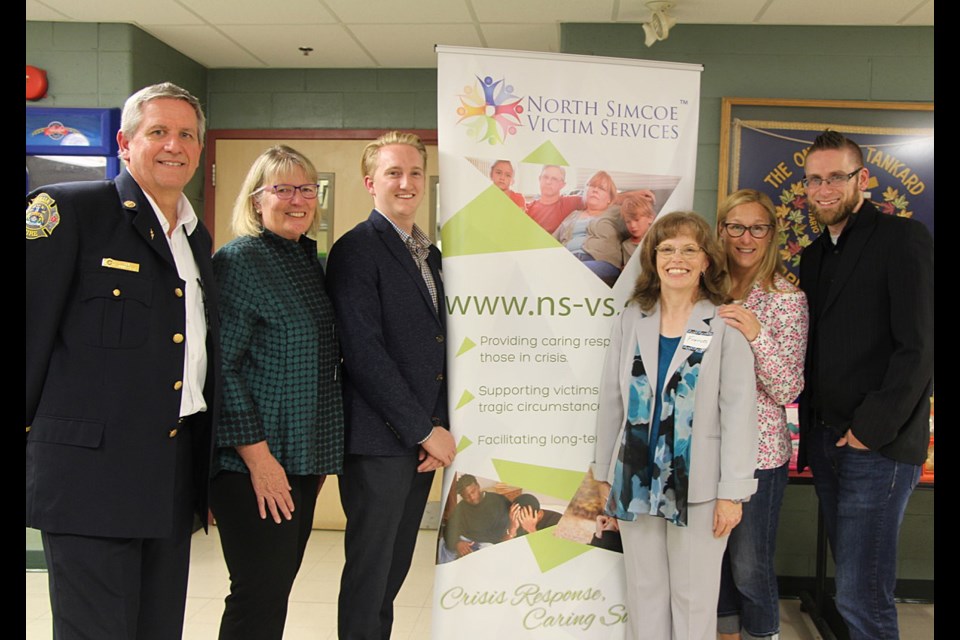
[(122, 363)]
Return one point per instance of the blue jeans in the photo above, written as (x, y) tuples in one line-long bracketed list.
[(863, 495), (748, 582)]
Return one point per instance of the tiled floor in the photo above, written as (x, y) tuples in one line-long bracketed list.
[(313, 608)]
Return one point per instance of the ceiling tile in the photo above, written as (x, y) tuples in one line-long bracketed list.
[(256, 12), (278, 45), (540, 10), (412, 45), (921, 17), (40, 11), (696, 11), (393, 12), (523, 37), (832, 12), (136, 12), (206, 45), (251, 33)]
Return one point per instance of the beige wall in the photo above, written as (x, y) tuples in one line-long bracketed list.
[(351, 204)]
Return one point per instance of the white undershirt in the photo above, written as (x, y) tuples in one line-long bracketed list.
[(195, 351)]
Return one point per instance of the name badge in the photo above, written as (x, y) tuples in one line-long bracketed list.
[(123, 265), (697, 341)]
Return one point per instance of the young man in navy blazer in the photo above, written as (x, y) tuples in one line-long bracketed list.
[(122, 377), (865, 408), (385, 282)]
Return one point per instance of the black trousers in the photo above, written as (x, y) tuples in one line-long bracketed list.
[(263, 557), (124, 588), (383, 498)]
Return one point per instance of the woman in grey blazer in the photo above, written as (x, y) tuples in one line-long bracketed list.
[(676, 431)]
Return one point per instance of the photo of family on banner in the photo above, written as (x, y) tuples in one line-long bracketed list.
[(599, 216)]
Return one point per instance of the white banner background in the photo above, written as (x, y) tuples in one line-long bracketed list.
[(528, 322)]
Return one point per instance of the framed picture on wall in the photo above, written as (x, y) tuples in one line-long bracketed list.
[(764, 143)]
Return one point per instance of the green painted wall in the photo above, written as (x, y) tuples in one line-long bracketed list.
[(838, 63), (99, 65), (322, 98)]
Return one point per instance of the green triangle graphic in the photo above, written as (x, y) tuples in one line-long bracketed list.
[(546, 154), (559, 483), (465, 346), (492, 223), (464, 443), (550, 551), (465, 397)]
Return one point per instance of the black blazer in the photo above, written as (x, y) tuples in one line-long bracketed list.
[(392, 339), (102, 365), (874, 335)]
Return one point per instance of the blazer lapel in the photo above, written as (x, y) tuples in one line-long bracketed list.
[(200, 247), (399, 250), (701, 318), (810, 260), (852, 250), (145, 220), (436, 267), (647, 334)]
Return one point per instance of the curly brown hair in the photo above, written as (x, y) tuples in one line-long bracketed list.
[(715, 283)]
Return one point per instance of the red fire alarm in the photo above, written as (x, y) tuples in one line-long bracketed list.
[(36, 83)]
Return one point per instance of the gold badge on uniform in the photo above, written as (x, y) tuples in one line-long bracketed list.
[(42, 217), (123, 265), (129, 204)]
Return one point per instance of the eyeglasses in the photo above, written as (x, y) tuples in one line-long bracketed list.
[(735, 230), (286, 191), (687, 252), (834, 181)]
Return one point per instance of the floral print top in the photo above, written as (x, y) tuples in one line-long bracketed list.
[(778, 350), (655, 482)]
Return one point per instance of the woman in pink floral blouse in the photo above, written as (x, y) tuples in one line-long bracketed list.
[(772, 315)]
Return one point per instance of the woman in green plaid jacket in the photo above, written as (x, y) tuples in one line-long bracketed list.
[(281, 426)]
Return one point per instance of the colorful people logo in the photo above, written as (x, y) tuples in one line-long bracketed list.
[(490, 110)]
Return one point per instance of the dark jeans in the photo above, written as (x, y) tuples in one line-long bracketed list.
[(749, 600), (863, 495), (263, 557), (603, 270)]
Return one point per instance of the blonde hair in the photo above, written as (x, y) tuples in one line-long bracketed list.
[(771, 263), (636, 207), (715, 283), (602, 180), (371, 153), (275, 161)]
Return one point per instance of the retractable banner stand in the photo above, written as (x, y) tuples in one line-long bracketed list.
[(534, 279)]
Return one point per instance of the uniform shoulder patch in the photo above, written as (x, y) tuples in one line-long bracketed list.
[(42, 217)]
